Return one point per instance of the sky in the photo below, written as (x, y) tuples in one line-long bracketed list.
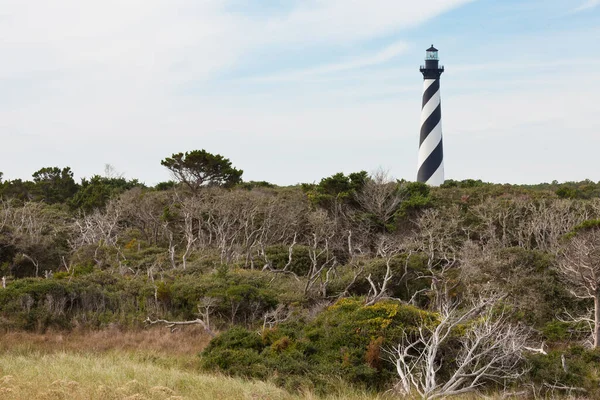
[(296, 90)]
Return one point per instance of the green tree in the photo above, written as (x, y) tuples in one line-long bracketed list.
[(54, 185), (96, 191), (162, 186), (17, 189), (336, 189), (416, 196), (199, 168)]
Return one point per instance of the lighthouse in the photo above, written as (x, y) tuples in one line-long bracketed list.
[(431, 151)]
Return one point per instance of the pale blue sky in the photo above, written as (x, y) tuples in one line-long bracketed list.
[(295, 90)]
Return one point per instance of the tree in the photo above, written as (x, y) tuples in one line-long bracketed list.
[(336, 189), (98, 229), (54, 185), (580, 266), (199, 168), (388, 248), (98, 190), (17, 189), (380, 198), (415, 196), (204, 309), (35, 234), (490, 349), (324, 240), (527, 277), (439, 238)]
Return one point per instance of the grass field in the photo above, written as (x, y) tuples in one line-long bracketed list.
[(111, 365)]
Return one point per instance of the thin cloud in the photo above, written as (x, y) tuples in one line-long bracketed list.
[(346, 21), (175, 41), (588, 5), (369, 60), (465, 68)]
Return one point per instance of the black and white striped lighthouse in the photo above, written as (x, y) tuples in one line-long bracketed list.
[(431, 152)]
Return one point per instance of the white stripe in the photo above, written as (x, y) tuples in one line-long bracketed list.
[(430, 143), (430, 106), (427, 83), (438, 176)]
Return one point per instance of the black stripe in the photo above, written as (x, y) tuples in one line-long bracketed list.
[(431, 164), (430, 123), (431, 90)]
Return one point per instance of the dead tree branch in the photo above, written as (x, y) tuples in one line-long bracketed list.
[(491, 351)]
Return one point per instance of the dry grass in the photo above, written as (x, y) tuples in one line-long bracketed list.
[(106, 365), (152, 364), (161, 340), (107, 376)]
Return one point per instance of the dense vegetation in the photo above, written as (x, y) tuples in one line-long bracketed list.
[(357, 278)]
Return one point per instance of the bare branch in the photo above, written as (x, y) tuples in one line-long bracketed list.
[(579, 266), (491, 351), (171, 324)]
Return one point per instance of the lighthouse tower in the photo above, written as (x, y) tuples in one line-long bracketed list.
[(431, 152)]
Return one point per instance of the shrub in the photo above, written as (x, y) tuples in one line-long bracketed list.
[(279, 256), (556, 330), (579, 370), (343, 342)]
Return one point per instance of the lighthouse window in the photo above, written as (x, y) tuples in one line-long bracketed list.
[(432, 55)]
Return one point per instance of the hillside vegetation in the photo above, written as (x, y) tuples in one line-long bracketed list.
[(385, 286)]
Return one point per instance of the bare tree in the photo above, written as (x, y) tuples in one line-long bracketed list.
[(387, 248), (380, 197), (239, 224), (356, 258), (111, 172), (99, 229), (285, 270), (34, 261), (549, 220), (204, 310), (580, 267), (188, 232), (584, 324), (527, 223), (322, 243), (172, 247), (34, 228), (277, 316), (30, 223), (6, 211), (144, 210), (491, 350), (438, 238), (503, 221)]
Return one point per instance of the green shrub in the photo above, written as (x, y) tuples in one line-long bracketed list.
[(416, 197), (237, 338), (343, 342), (580, 369), (556, 331), (402, 285), (278, 256)]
